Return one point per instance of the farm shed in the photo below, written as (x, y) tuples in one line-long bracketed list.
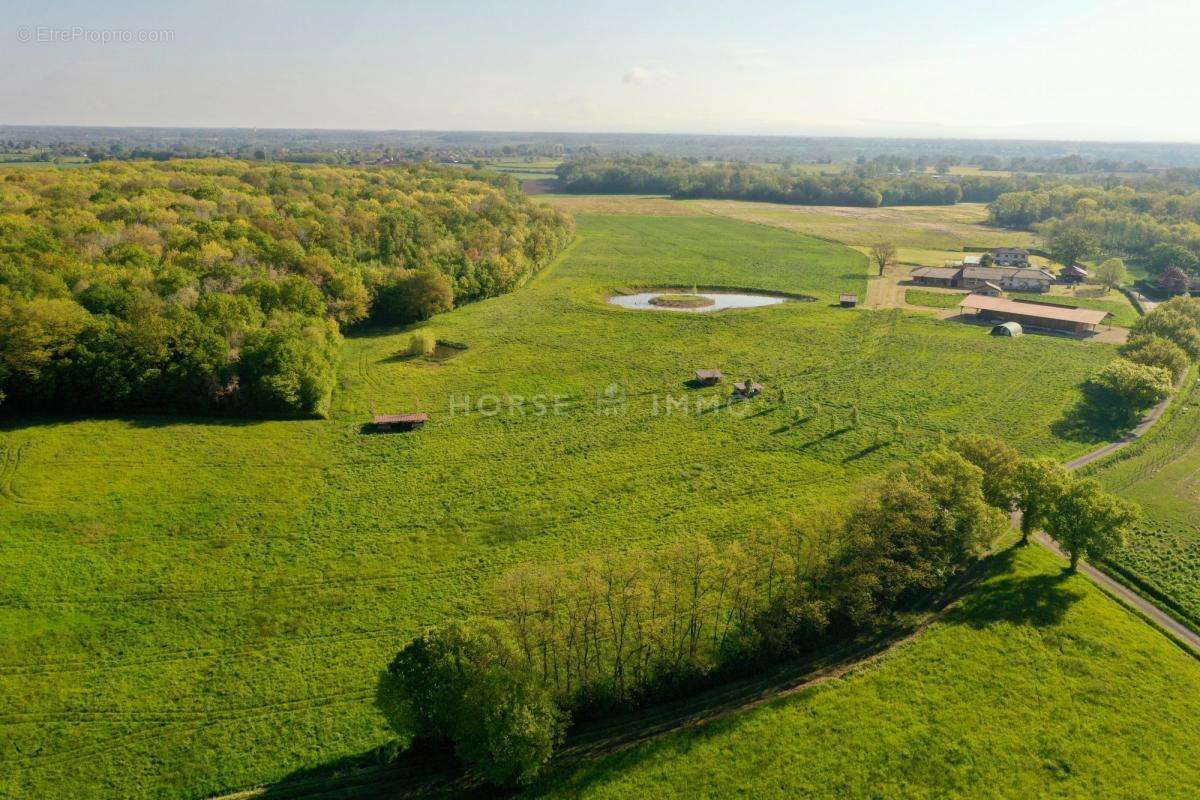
[(946, 277), (848, 300), (387, 423), (1008, 329), (708, 377), (1032, 314), (1072, 274)]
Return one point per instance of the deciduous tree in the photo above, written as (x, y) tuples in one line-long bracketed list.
[(1086, 520)]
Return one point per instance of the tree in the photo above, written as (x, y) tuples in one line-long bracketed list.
[(1038, 484), (1174, 281), (1112, 273), (1086, 520), (1155, 351), (883, 254), (414, 297), (464, 683), (1167, 322), (1069, 245), (1168, 254), (996, 460), (1123, 390)]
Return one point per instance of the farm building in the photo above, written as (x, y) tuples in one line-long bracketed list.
[(1072, 274), (990, 289), (1008, 329), (1011, 279), (1032, 314), (944, 277), (708, 377), (848, 300), (1010, 257), (399, 422)]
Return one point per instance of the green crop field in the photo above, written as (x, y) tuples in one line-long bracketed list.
[(1163, 475), (921, 297), (1038, 685), (192, 606)]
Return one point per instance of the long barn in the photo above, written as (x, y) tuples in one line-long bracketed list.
[(1032, 314)]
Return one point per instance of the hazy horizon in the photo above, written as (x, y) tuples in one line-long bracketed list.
[(1121, 71)]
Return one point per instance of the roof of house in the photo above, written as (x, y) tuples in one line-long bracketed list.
[(708, 374), (993, 286), (999, 273), (943, 273), (1016, 250), (972, 261), (1074, 269), (388, 419), (848, 298), (1029, 308)]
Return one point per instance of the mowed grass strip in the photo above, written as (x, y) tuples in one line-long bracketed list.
[(1037, 685), (190, 606), (921, 297)]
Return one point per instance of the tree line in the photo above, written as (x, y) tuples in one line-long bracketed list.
[(621, 630), (223, 286), (1156, 221), (862, 186)]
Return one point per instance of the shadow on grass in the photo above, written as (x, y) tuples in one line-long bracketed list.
[(148, 420), (1086, 423), (1041, 600)]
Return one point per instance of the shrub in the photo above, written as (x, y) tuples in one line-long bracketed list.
[(421, 344)]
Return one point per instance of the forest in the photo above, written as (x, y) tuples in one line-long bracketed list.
[(1156, 221), (868, 185), (218, 286)]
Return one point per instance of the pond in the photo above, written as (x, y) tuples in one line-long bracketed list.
[(717, 301)]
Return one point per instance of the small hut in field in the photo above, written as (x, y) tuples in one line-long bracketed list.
[(389, 423)]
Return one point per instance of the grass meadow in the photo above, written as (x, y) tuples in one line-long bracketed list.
[(1036, 685), (190, 606), (922, 297)]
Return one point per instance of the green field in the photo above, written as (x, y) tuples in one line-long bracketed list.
[(922, 297), (1117, 304), (192, 606), (1038, 685), (1163, 475)]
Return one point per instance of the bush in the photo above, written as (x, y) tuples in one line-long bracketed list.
[(421, 344), (462, 683), (1122, 390), (1155, 351)]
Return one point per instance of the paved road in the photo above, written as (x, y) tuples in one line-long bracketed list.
[(1177, 630)]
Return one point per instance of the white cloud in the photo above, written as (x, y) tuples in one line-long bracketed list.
[(640, 76)]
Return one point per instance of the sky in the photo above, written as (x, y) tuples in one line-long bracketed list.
[(1058, 69)]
